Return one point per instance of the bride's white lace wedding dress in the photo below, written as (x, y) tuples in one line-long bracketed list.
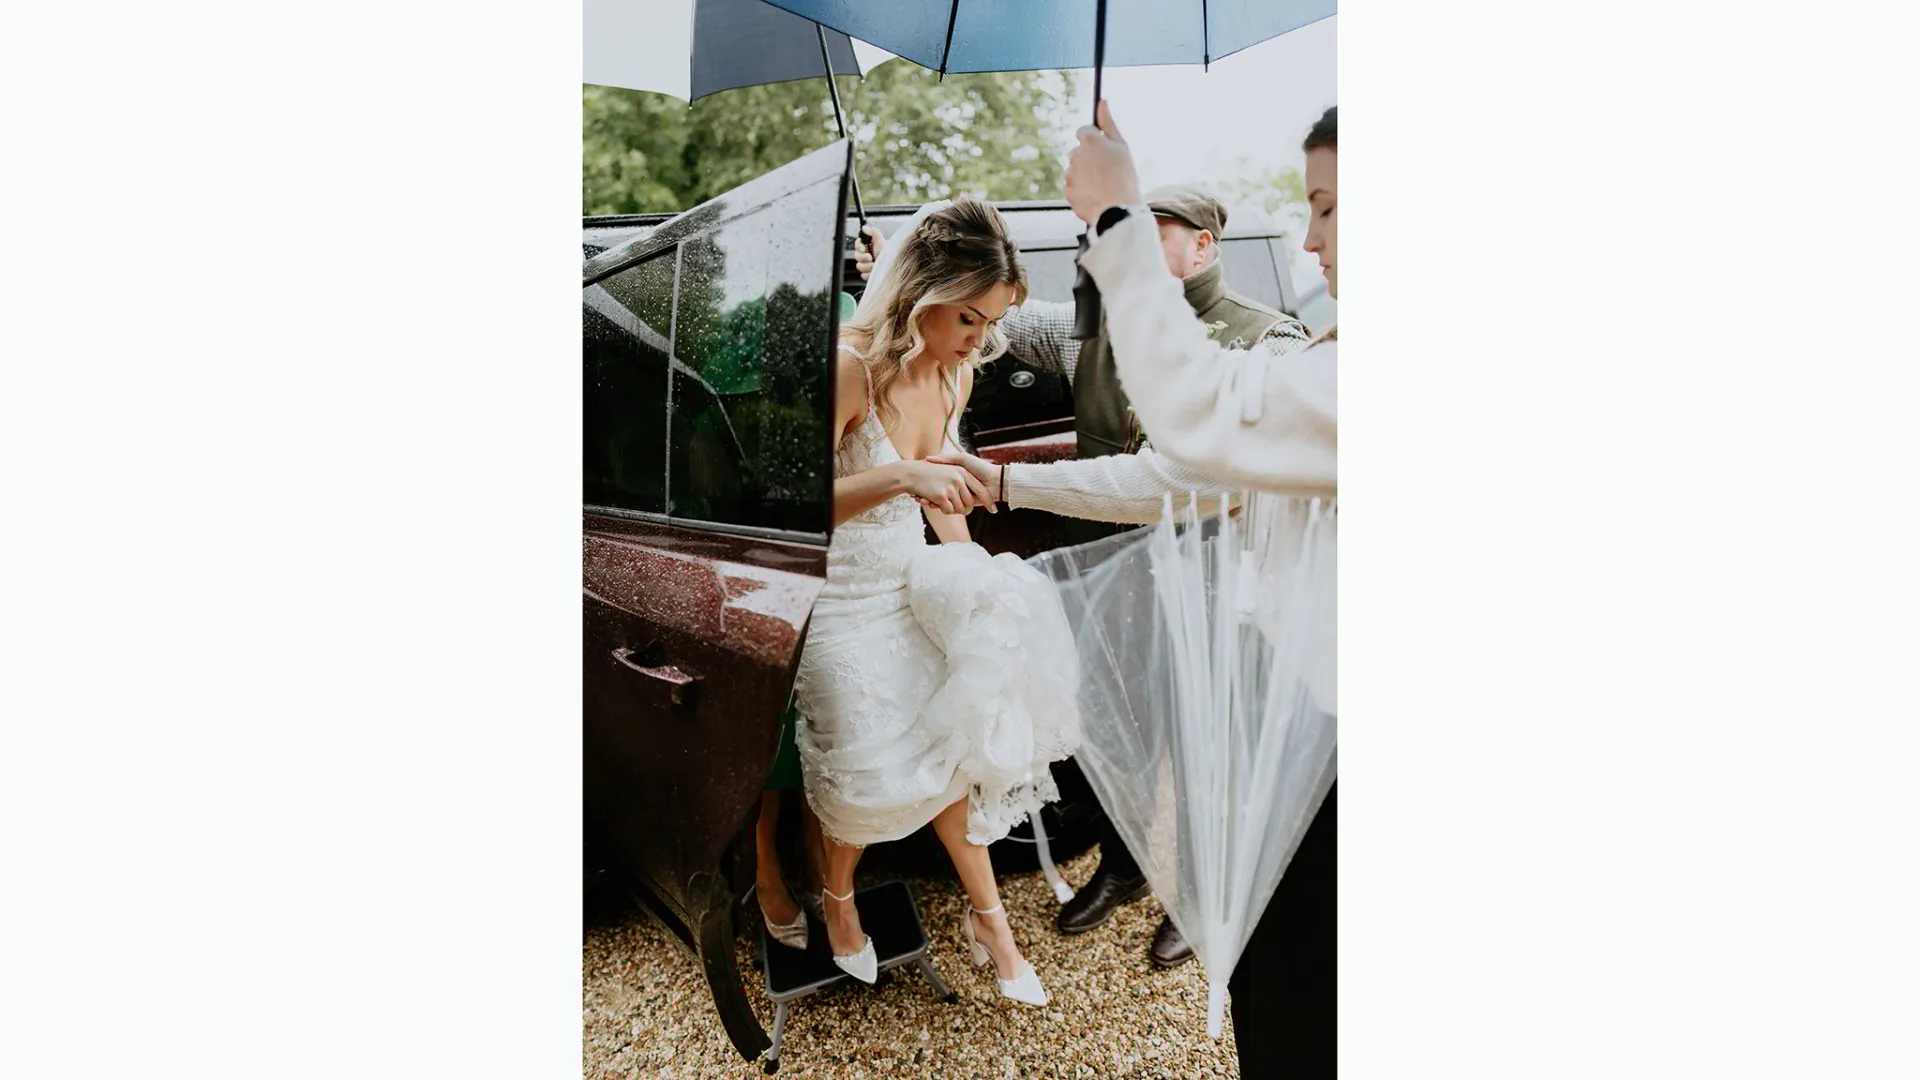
[(930, 672)]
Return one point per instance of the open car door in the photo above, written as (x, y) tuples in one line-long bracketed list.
[(708, 491)]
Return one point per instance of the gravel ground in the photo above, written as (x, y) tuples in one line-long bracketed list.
[(1113, 1014)]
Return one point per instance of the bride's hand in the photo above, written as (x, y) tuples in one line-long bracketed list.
[(866, 251), (947, 488), (982, 470)]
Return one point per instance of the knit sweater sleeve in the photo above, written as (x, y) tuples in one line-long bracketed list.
[(1248, 417), (1130, 488)]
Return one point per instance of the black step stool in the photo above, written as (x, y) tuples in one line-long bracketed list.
[(889, 916)]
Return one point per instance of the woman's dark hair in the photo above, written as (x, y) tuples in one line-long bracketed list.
[(1323, 134)]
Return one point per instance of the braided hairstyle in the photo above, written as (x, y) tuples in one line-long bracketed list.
[(954, 256)]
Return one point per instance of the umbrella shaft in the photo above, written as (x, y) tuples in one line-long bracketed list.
[(833, 88), (1099, 53)]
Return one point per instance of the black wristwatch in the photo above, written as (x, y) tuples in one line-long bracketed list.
[(1111, 216)]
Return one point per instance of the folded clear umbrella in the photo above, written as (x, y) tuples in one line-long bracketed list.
[(1207, 704)]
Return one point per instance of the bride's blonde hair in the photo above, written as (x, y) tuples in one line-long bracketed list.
[(954, 256)]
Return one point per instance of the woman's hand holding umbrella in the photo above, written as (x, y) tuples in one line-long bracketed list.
[(1100, 172)]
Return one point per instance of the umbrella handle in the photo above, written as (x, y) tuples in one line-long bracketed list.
[(1086, 298), (1086, 294)]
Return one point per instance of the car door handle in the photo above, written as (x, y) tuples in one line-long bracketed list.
[(676, 683)]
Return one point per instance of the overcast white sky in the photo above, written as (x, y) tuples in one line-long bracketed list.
[(1185, 123), (1189, 123)]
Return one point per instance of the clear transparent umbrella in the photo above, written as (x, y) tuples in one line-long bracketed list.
[(1207, 704)]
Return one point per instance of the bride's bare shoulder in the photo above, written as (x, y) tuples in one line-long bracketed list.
[(850, 378)]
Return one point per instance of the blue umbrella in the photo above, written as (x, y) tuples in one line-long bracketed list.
[(692, 48), (1025, 35)]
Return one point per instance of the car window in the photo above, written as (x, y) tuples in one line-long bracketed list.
[(1248, 266), (627, 325), (1049, 274), (749, 439)]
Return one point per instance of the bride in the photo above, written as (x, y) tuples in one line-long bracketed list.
[(936, 683)]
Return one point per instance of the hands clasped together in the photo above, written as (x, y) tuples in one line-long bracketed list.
[(952, 483)]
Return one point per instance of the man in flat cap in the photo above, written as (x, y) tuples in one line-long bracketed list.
[(1191, 222), (1040, 333)]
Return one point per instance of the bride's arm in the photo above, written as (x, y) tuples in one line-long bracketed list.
[(952, 528), (855, 495)]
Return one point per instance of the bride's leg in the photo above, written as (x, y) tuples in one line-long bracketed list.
[(843, 919), (976, 877), (768, 884), (814, 842)]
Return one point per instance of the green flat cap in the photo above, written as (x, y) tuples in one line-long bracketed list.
[(1189, 203)]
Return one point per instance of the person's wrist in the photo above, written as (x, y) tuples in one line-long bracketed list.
[(1115, 214)]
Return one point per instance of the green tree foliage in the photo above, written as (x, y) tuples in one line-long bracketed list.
[(1280, 191), (999, 136)]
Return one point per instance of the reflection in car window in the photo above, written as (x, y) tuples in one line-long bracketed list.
[(1248, 266), (625, 334), (1049, 274), (751, 400)]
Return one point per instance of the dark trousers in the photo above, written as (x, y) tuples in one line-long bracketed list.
[(1284, 987), (1115, 859)]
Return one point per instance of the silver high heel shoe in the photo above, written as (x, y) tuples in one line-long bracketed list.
[(863, 965), (1024, 987), (793, 935)]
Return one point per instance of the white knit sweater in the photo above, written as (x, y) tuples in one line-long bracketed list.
[(1220, 419), (1243, 416), (1123, 487)]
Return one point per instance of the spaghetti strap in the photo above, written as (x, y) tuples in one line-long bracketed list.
[(864, 370)]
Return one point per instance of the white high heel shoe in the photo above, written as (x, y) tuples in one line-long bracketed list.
[(793, 935), (1024, 987), (863, 965)]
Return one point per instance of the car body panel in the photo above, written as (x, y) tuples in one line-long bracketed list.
[(707, 495)]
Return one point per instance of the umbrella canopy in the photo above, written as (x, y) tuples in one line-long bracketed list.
[(691, 48), (1020, 35)]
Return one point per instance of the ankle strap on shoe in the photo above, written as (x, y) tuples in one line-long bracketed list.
[(824, 891), (986, 911)]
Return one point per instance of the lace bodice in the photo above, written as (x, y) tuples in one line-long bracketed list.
[(869, 551)]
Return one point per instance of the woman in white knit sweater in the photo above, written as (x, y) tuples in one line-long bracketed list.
[(1220, 420)]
